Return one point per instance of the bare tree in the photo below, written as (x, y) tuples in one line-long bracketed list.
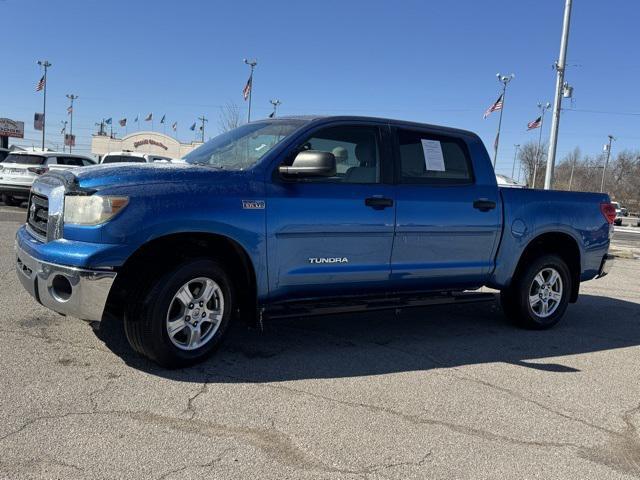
[(529, 155), (229, 117)]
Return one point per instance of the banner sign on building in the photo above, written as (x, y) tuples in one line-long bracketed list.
[(69, 140), (11, 128)]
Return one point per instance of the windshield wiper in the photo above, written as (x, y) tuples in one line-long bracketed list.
[(206, 164)]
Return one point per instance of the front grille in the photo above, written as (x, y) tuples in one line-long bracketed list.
[(38, 214)]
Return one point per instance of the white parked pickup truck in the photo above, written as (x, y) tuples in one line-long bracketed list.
[(19, 169)]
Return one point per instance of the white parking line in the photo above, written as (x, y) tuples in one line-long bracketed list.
[(627, 230)]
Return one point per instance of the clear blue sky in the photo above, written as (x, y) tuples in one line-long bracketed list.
[(431, 61)]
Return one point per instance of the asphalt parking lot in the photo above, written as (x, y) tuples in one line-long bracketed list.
[(444, 392)]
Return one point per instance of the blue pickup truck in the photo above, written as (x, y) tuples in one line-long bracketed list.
[(301, 216)]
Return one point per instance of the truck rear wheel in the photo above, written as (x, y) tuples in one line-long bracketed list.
[(181, 318), (539, 294)]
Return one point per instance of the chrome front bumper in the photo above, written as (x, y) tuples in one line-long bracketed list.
[(67, 290)]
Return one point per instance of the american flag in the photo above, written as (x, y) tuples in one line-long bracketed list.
[(535, 124), (40, 84), (123, 122), (162, 119), (69, 110), (174, 127), (494, 108), (148, 117), (247, 88)]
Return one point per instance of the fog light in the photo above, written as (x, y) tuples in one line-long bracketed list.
[(61, 288)]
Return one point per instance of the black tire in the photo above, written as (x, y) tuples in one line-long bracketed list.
[(145, 320), (11, 201), (515, 299)]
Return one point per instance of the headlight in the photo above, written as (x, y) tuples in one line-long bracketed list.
[(92, 209)]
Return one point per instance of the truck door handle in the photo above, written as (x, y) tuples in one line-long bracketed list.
[(378, 203), (484, 205)]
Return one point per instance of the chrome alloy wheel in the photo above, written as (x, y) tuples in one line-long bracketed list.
[(545, 293), (195, 313)]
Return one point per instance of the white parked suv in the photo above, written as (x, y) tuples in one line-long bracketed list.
[(128, 156), (19, 169)]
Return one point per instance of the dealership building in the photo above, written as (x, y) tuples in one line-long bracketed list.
[(144, 142)]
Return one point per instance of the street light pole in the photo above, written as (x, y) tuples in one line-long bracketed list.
[(557, 102), (606, 163), (71, 98), (45, 64), (504, 79), (543, 110), (515, 156), (275, 102), (252, 64), (573, 167), (202, 119)]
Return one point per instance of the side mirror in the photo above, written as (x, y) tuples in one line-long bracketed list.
[(311, 163)]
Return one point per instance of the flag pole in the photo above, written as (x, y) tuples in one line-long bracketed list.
[(46, 65), (252, 64), (543, 109), (504, 79)]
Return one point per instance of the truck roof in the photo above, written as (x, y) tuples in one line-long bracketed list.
[(356, 118)]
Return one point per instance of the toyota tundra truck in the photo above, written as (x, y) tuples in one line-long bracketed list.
[(300, 216)]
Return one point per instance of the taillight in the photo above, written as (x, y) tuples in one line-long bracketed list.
[(608, 211), (38, 170)]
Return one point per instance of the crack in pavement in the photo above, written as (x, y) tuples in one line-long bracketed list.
[(455, 372), (208, 464), (271, 441)]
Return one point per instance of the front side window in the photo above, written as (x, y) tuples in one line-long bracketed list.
[(355, 149), (242, 147), (432, 159)]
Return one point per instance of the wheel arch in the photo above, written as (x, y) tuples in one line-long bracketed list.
[(164, 252), (558, 243)]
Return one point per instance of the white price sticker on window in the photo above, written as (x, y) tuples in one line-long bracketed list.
[(433, 158)]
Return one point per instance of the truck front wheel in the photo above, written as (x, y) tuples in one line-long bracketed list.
[(539, 294), (181, 318)]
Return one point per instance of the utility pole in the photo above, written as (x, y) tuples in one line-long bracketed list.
[(63, 132), (543, 110), (202, 119), (606, 163), (45, 64), (275, 102), (252, 64), (515, 156), (557, 102), (504, 79), (71, 98)]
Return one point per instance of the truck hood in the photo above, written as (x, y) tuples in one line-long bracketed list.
[(124, 174)]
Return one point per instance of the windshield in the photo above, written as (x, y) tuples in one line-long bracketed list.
[(122, 159), (242, 147), (24, 159)]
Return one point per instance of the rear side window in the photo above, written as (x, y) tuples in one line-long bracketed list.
[(75, 161), (433, 159), (122, 158), (24, 159)]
